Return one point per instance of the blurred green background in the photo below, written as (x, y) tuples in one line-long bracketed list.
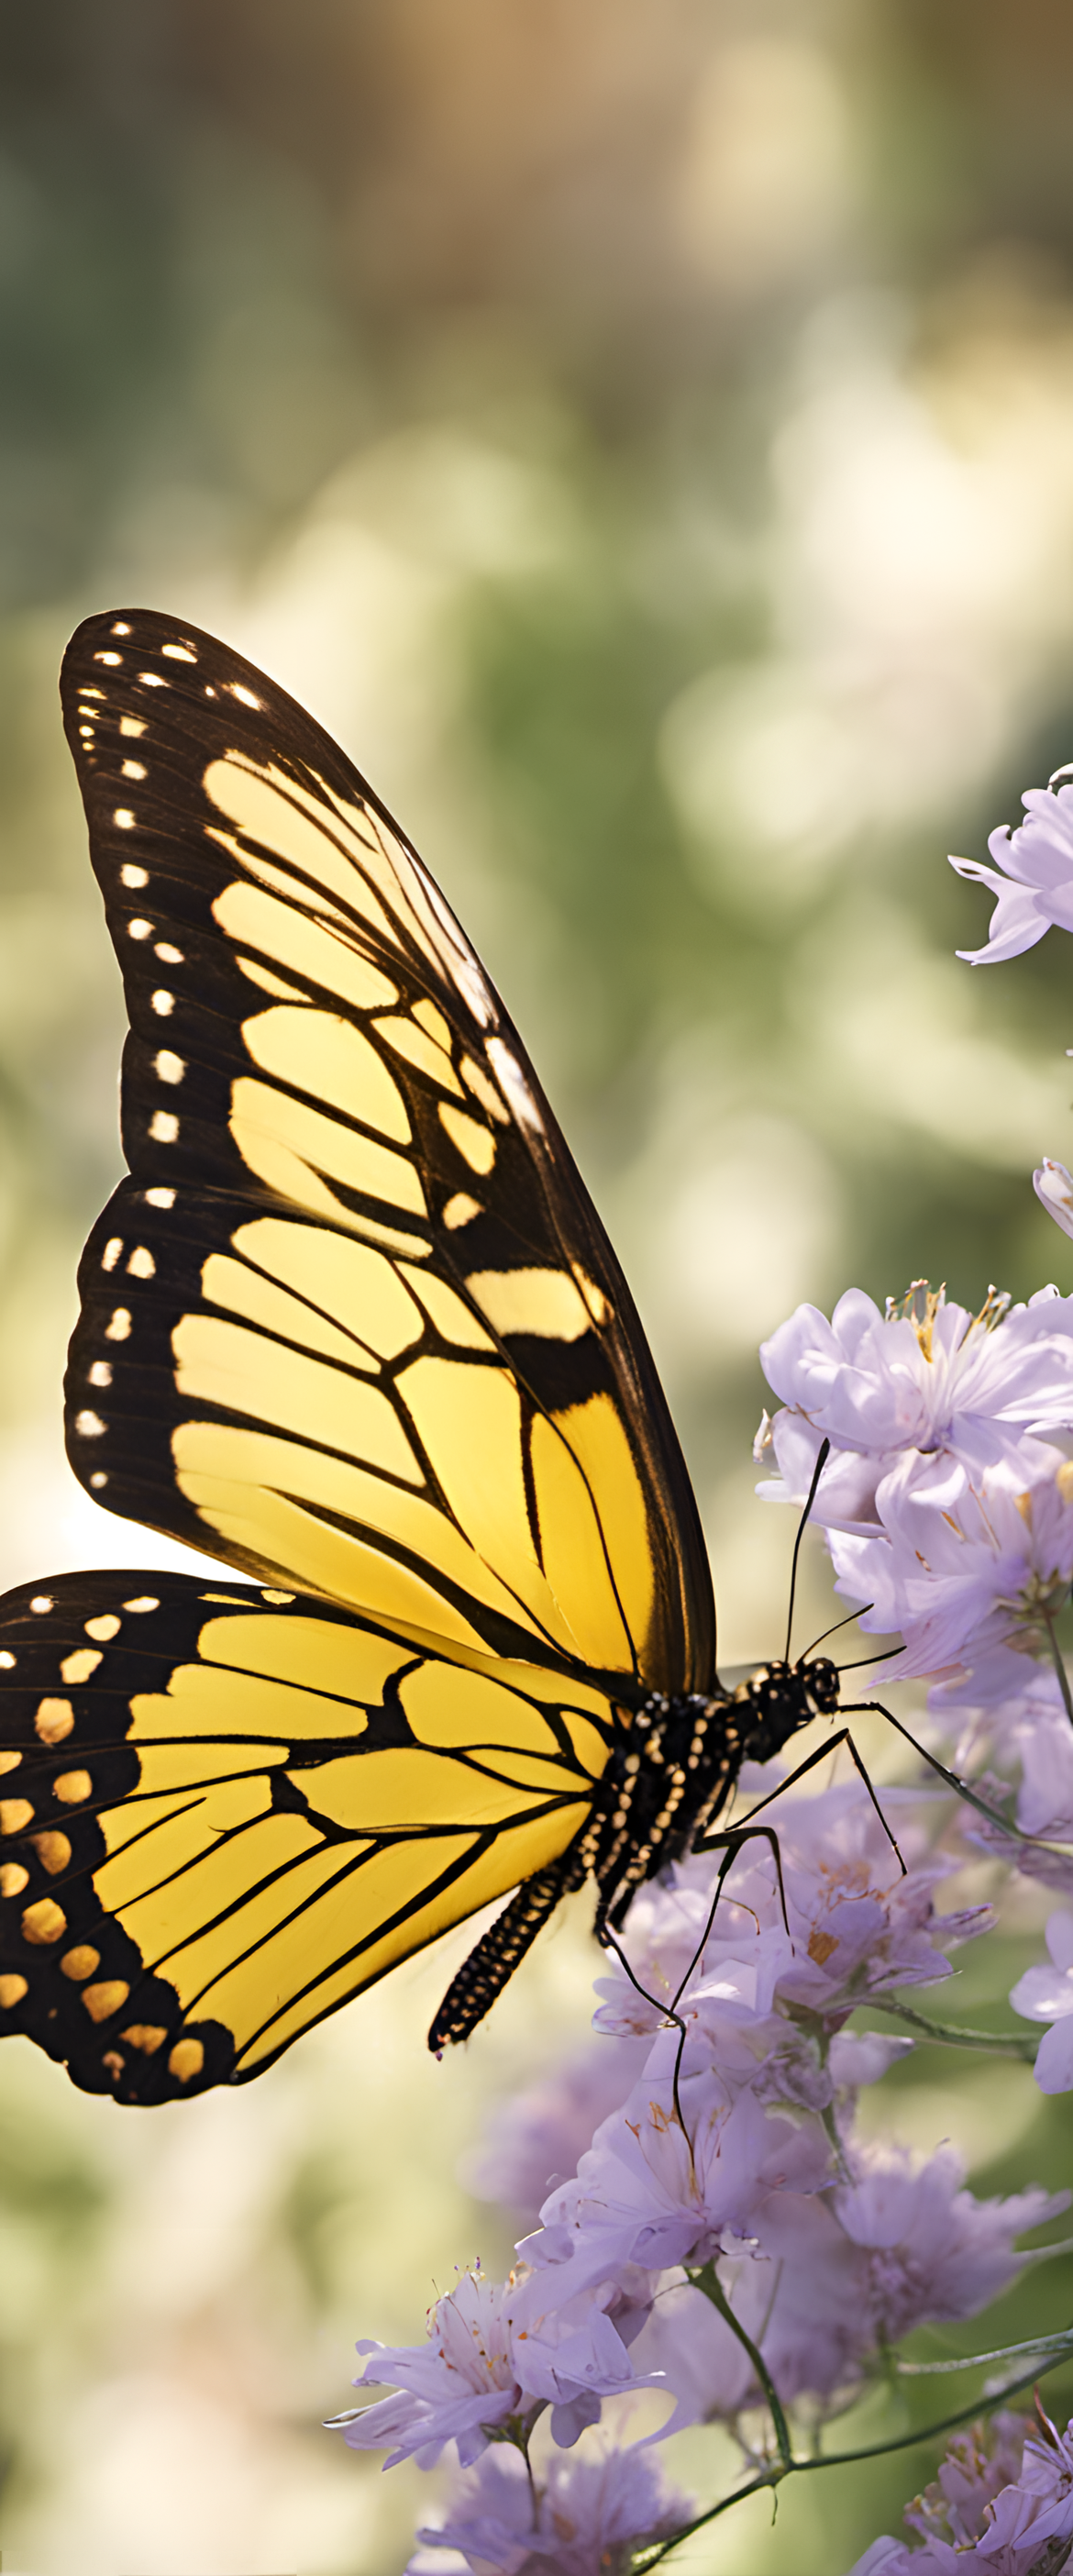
[(643, 432)]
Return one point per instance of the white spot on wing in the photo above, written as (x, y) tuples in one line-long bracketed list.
[(163, 1004), (88, 1425), (160, 1198), (140, 929), (111, 1252), (134, 769), (101, 1373), (54, 1721), (113, 658), (132, 726), (178, 653), (132, 875), (245, 696), (164, 1127), (118, 1329), (168, 1066), (103, 1628), (79, 1666), (515, 1085), (141, 1264), (168, 955), (41, 1602), (123, 819), (145, 1601), (472, 986)]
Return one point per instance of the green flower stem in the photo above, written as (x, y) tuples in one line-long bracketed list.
[(772, 2477), (1058, 2345), (1060, 1669), (708, 2281), (998, 2043)]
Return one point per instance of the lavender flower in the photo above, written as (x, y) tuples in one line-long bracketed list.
[(537, 2138), (973, 1576), (800, 2296), (1044, 1739), (1036, 886), (934, 2251), (928, 1379), (1046, 1994), (988, 2509), (763, 2056), (1053, 1186), (491, 2362), (585, 2518), (854, 1927), (981, 2461), (833, 2278), (948, 1495), (653, 2192)]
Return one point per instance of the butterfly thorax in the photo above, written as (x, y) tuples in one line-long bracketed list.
[(666, 1779), (673, 1773)]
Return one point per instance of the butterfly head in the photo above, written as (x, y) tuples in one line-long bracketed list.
[(822, 1684), (781, 1697)]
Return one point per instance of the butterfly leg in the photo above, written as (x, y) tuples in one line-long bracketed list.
[(731, 1841), (875, 1707), (820, 1755)]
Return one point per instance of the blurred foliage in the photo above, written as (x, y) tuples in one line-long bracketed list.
[(644, 433)]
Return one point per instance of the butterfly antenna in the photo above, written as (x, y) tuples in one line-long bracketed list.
[(821, 1462), (847, 1622), (862, 1660)]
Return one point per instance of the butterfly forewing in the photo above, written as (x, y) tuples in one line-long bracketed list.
[(222, 1814), (352, 1320)]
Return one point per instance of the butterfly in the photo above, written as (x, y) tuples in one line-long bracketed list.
[(352, 1327)]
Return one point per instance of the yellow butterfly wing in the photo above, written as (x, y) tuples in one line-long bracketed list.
[(221, 1815), (352, 1321), (352, 1325)]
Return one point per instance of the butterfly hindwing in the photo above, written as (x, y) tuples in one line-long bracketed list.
[(223, 1813), (352, 1320)]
